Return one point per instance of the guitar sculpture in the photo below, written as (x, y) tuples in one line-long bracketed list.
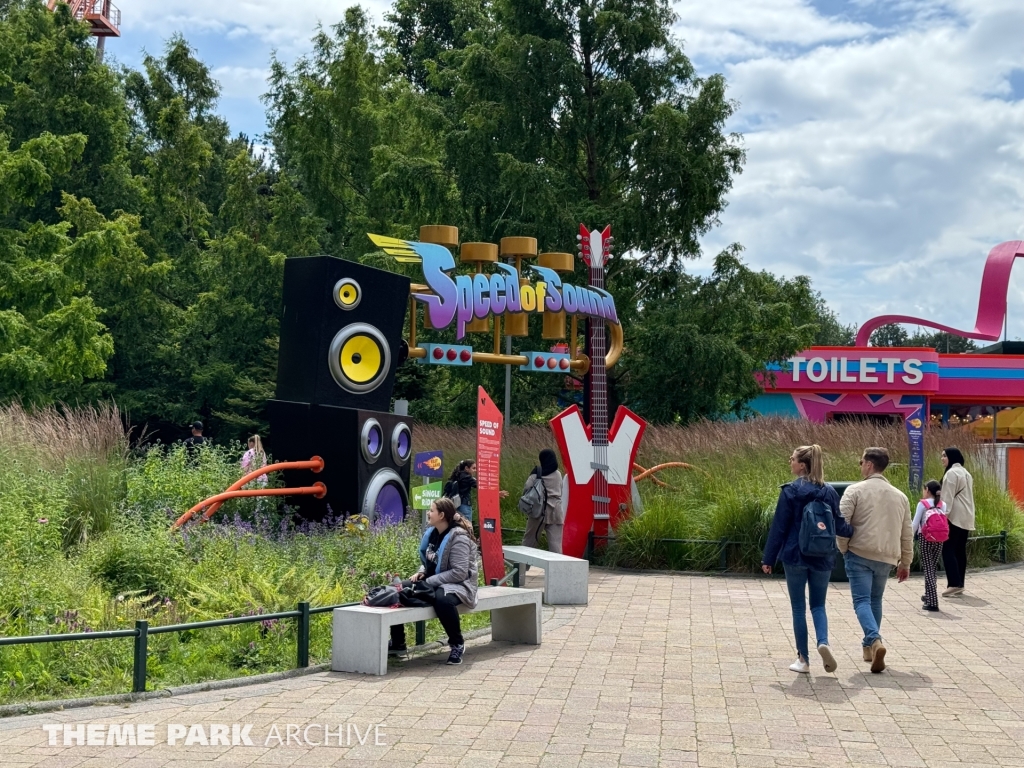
[(597, 493)]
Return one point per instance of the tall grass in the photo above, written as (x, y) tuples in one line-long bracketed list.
[(731, 494)]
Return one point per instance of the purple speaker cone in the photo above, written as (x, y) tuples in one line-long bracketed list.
[(373, 440), (404, 445), (389, 506)]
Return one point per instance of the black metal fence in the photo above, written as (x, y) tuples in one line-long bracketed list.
[(142, 632)]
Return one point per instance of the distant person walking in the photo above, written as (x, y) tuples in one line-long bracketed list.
[(255, 458), (933, 535), (548, 481), (196, 441), (882, 538), (958, 493), (804, 505)]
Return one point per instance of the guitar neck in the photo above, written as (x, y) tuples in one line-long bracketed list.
[(598, 374)]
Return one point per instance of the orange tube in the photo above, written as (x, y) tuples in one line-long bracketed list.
[(317, 490), (315, 464), (649, 472)]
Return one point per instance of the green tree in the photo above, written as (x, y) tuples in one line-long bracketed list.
[(50, 335), (831, 332), (947, 343), (588, 111), (50, 82), (891, 335), (364, 148), (699, 344)]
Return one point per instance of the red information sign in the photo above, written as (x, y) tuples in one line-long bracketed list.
[(488, 476)]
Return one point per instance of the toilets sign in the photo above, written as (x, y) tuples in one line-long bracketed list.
[(864, 369)]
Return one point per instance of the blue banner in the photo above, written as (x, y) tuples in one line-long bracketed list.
[(429, 464), (914, 423)]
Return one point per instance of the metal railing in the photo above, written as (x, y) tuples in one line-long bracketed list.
[(142, 632)]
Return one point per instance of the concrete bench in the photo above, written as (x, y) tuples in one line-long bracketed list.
[(360, 638), (565, 578)]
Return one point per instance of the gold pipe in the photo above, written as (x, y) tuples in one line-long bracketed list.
[(412, 322), (420, 288), (580, 364), (487, 357), (615, 352), (497, 334)]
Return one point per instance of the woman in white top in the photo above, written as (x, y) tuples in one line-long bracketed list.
[(931, 504), (255, 458), (958, 491)]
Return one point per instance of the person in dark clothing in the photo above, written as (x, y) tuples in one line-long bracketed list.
[(464, 481), (803, 572), (197, 441), (448, 567)]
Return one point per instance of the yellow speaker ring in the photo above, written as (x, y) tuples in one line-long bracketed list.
[(359, 358), (347, 293)]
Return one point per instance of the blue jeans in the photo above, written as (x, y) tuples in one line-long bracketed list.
[(867, 585), (466, 511), (799, 577)]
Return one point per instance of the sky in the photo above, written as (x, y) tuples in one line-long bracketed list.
[(884, 138)]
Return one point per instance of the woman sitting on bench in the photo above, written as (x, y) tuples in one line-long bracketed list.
[(448, 557)]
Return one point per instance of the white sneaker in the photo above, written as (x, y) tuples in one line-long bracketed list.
[(800, 666), (827, 657)]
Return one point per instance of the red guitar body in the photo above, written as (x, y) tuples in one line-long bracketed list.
[(597, 493)]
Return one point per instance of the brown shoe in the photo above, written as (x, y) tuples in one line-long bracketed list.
[(867, 653), (877, 656)]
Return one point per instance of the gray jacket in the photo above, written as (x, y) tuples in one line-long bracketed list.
[(553, 512), (456, 572)]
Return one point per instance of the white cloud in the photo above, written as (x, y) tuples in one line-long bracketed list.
[(241, 82), (885, 165), (284, 26)]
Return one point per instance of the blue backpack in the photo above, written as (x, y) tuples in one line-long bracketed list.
[(817, 530)]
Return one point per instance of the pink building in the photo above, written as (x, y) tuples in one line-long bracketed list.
[(888, 384)]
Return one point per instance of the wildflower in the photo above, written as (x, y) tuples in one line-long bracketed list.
[(43, 520)]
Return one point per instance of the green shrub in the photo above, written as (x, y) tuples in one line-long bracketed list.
[(132, 559), (95, 491)]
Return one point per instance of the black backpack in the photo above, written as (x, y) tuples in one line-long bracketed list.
[(817, 529), (382, 597), (451, 491)]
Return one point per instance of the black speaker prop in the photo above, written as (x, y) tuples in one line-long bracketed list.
[(341, 341), (341, 333), (367, 458)]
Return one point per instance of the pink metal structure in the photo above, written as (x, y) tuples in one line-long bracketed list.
[(995, 283)]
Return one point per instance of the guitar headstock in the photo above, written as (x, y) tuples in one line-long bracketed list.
[(595, 247)]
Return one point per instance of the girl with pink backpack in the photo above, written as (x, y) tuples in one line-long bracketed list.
[(931, 523)]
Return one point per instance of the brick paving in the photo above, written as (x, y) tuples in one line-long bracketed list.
[(659, 670)]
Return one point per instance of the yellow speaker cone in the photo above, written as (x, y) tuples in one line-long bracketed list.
[(347, 293), (360, 358)]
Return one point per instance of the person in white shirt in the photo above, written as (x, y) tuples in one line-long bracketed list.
[(958, 491), (930, 505)]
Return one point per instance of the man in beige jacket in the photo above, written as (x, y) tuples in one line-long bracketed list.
[(882, 538)]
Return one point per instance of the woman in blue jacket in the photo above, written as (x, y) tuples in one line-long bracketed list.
[(803, 571)]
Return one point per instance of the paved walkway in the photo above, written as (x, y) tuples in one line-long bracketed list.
[(658, 670)]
